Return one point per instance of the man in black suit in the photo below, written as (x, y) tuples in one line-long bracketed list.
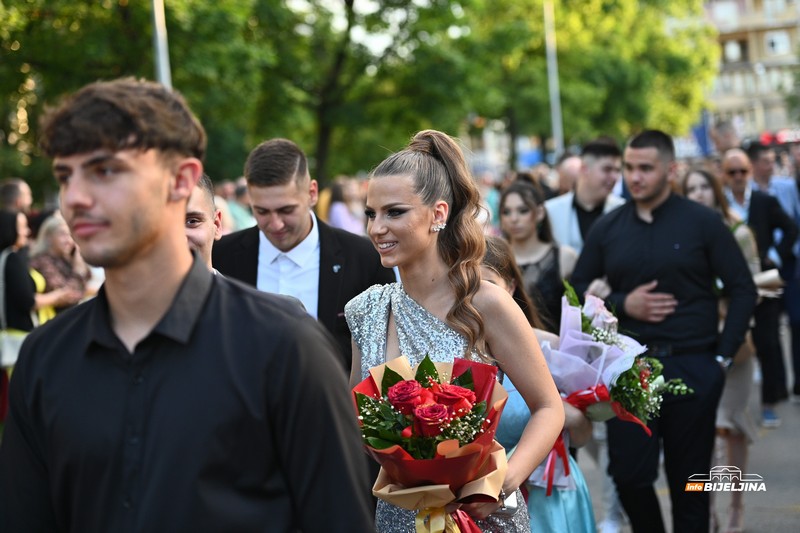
[(292, 252), (763, 214)]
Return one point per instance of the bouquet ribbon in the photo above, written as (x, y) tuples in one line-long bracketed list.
[(558, 451), (582, 399), (436, 520), (599, 393)]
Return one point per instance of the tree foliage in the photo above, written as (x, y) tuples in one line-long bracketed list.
[(351, 81)]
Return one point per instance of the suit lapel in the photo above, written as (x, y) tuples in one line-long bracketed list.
[(331, 274), (247, 256)]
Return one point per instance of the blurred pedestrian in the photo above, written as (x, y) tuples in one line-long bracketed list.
[(56, 257), (545, 264)]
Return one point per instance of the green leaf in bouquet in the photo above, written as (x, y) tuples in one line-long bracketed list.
[(574, 301), (572, 296), (390, 377), (465, 380), (677, 387), (425, 370), (379, 444), (479, 409), (367, 405), (422, 447)]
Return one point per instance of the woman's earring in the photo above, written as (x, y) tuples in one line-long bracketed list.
[(436, 228)]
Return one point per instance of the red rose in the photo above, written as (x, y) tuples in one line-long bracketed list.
[(406, 433), (405, 396), (459, 400), (430, 418)]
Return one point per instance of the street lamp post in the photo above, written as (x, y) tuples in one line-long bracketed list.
[(160, 44), (552, 78)]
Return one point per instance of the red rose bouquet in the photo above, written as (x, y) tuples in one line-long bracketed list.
[(432, 431)]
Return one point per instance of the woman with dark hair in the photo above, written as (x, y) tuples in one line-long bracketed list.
[(544, 264), (19, 290), (421, 216), (20, 293), (735, 429)]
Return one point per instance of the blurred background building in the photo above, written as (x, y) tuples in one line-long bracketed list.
[(759, 41)]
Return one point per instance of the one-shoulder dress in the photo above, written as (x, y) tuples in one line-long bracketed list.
[(419, 333)]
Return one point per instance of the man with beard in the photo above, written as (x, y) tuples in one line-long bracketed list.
[(661, 255)]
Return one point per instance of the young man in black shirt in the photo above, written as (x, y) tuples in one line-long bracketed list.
[(176, 400), (661, 254)]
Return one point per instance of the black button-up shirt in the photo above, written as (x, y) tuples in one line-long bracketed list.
[(233, 414), (685, 248)]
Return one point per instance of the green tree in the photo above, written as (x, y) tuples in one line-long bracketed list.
[(351, 81), (623, 65), (53, 47)]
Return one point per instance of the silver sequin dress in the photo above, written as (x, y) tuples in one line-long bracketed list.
[(419, 333)]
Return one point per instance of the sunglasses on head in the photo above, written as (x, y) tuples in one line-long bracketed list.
[(734, 171)]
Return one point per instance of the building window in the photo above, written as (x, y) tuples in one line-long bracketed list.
[(773, 8), (777, 43), (734, 51)]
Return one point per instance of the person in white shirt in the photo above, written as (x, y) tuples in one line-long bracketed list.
[(292, 252)]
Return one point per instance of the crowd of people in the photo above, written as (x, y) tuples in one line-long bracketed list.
[(205, 386)]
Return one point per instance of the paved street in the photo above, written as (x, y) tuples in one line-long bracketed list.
[(775, 456)]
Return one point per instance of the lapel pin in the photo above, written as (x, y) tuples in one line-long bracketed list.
[(336, 268)]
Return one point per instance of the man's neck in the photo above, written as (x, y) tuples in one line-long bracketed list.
[(587, 200), (140, 293), (762, 182), (645, 209)]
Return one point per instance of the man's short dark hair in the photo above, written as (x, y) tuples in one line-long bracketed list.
[(10, 191), (123, 114), (601, 148), (566, 155), (207, 186), (755, 149), (655, 139), (275, 162)]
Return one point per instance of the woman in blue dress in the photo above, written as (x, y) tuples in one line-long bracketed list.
[(569, 507), (421, 217)]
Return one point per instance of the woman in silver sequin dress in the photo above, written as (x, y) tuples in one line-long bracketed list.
[(421, 209)]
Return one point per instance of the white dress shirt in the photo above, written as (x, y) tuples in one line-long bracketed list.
[(294, 273)]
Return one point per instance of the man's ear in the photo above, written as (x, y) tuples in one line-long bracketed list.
[(186, 177), (313, 192), (217, 224)]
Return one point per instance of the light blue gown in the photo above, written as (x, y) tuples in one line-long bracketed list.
[(565, 510)]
